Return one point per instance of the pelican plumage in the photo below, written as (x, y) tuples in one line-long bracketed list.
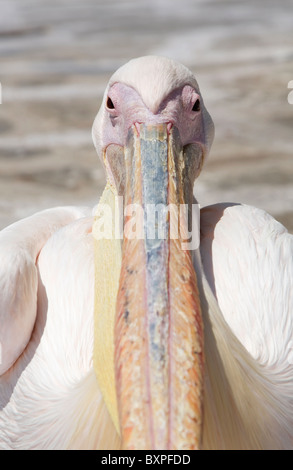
[(135, 343)]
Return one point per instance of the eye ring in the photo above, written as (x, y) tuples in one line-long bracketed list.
[(196, 106), (110, 105)]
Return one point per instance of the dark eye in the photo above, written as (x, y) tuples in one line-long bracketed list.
[(110, 104), (196, 106)]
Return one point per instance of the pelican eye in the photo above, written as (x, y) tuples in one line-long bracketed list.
[(196, 106), (110, 104)]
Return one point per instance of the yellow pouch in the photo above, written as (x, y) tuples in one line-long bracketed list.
[(107, 273)]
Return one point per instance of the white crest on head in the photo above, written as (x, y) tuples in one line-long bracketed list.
[(154, 78)]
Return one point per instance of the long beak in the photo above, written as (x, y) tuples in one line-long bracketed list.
[(158, 328)]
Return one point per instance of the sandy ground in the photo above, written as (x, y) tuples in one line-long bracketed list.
[(55, 60)]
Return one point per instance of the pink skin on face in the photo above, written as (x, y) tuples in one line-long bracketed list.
[(125, 107)]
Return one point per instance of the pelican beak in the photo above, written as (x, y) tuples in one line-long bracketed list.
[(158, 326)]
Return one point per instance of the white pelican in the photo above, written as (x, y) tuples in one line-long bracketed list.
[(148, 346)]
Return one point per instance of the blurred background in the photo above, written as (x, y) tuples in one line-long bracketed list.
[(56, 57)]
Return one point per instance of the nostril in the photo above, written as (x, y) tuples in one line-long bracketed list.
[(169, 127), (137, 127)]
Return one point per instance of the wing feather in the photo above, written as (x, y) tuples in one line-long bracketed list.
[(247, 259), (20, 245)]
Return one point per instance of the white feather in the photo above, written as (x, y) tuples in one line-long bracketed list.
[(50, 397), (247, 303), (20, 245)]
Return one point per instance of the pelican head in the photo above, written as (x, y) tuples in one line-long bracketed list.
[(153, 133)]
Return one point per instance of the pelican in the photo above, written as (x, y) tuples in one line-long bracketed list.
[(111, 338)]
